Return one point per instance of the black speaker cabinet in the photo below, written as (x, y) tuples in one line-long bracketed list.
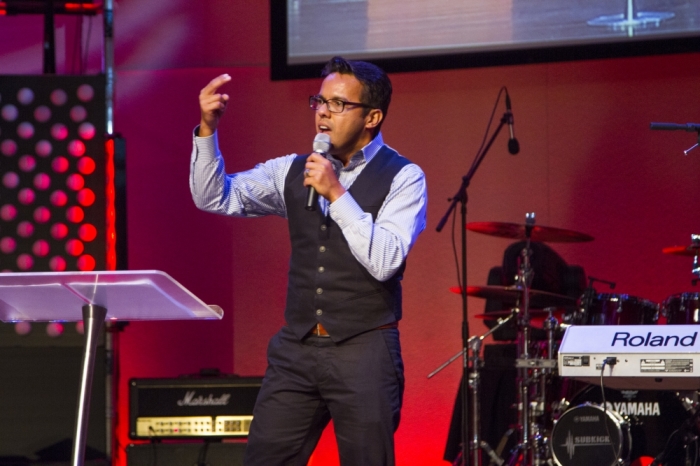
[(185, 454)]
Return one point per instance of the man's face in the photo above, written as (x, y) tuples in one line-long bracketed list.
[(350, 130)]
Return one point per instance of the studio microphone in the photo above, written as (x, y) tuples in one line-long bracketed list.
[(322, 144), (513, 144)]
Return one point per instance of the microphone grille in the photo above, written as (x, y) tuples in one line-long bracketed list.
[(322, 143)]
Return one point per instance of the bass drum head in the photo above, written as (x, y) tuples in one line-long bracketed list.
[(653, 416), (586, 435)]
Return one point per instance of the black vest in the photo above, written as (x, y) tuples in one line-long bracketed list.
[(326, 283)]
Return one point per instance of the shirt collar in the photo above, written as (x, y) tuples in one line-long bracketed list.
[(367, 153)]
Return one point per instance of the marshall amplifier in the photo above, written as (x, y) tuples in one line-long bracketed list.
[(192, 406)]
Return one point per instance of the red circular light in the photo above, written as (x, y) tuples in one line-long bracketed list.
[(85, 92), (74, 247), (87, 232), (43, 148), (40, 248), (59, 230), (86, 263), (42, 114), (86, 165), (26, 196), (42, 215), (25, 261), (59, 164), (76, 148), (75, 182), (25, 229), (25, 130), (27, 163), (75, 214), (10, 180), (86, 130), (58, 264), (8, 147), (59, 131), (59, 198), (8, 212), (8, 245), (42, 181), (59, 97), (78, 113), (86, 197)]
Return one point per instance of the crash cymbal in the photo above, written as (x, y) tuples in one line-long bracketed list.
[(538, 233), (692, 250), (512, 294)]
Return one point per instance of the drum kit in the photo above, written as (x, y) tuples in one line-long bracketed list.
[(638, 427)]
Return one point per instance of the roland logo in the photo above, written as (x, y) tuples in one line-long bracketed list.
[(191, 399), (627, 339)]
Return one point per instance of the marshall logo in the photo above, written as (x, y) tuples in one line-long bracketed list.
[(190, 400), (627, 339)]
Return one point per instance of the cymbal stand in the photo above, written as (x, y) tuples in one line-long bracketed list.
[(474, 344), (524, 279), (695, 243)]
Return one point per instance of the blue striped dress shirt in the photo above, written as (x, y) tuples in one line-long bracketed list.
[(380, 245)]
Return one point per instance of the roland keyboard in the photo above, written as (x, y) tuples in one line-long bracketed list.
[(641, 357)]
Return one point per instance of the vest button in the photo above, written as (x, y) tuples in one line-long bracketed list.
[(321, 269), (323, 228), (319, 290), (322, 249), (319, 312)]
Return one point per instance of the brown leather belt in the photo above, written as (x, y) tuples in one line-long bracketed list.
[(319, 331)]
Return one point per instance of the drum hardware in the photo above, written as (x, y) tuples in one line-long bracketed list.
[(534, 370), (692, 250), (474, 344), (588, 297)]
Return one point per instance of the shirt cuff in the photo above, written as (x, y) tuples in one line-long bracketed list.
[(207, 146), (345, 210)]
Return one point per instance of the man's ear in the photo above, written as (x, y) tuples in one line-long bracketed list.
[(373, 118)]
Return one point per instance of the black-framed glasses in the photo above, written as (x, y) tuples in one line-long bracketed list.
[(334, 105)]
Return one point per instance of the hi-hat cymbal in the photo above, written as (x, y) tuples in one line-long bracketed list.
[(692, 250), (532, 312), (513, 294), (538, 233)]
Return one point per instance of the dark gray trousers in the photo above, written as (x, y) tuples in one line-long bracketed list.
[(358, 383)]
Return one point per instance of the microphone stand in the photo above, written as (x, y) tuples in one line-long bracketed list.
[(461, 197)]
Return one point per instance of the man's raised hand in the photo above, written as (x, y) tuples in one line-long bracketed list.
[(212, 105)]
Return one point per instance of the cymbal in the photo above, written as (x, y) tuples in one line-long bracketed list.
[(512, 294), (533, 313), (538, 233), (692, 250)]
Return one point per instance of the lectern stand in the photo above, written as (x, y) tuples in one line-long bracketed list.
[(93, 297)]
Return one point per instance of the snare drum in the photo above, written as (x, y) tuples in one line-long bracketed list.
[(682, 309), (640, 423), (621, 309)]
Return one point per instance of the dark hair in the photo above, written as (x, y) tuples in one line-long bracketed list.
[(376, 86)]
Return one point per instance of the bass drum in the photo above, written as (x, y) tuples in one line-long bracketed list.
[(647, 418)]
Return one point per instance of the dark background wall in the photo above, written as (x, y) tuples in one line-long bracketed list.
[(588, 162)]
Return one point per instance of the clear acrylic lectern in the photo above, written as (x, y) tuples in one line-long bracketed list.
[(93, 297)]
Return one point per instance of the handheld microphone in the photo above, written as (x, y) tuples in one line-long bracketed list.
[(322, 144), (513, 144)]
